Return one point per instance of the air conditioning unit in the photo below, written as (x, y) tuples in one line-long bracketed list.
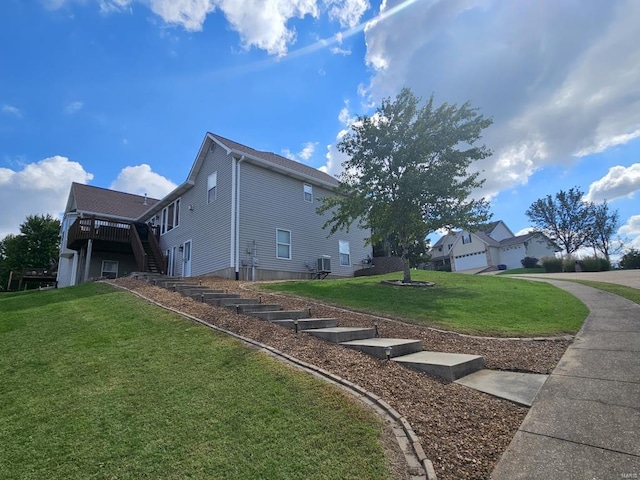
[(324, 264)]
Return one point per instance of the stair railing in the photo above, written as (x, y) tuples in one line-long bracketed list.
[(138, 250)]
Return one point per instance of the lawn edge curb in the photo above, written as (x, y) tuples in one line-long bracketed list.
[(374, 402)]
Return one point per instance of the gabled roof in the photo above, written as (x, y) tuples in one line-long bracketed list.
[(525, 238), (267, 160), (91, 200), (284, 163), (486, 239)]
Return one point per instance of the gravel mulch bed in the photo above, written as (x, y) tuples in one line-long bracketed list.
[(462, 431)]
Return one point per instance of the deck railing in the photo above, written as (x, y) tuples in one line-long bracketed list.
[(98, 229)]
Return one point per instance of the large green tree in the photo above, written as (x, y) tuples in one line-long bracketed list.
[(408, 172), (35, 247), (564, 218), (572, 222)]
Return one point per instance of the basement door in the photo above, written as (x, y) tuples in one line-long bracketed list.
[(186, 258)]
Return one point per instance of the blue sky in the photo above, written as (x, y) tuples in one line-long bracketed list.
[(120, 93)]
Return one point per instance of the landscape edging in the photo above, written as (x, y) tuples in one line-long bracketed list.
[(382, 407)]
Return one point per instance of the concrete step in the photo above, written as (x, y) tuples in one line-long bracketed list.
[(175, 284), (258, 307), (202, 294), (216, 298), (450, 366), (377, 347), (187, 289), (281, 314), (307, 323), (520, 388), (343, 334), (237, 302)]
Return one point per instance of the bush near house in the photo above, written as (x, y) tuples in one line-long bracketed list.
[(552, 264), (529, 262), (594, 264)]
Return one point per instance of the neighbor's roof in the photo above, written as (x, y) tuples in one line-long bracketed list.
[(276, 159), (102, 201)]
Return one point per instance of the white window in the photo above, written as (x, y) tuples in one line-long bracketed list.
[(109, 269), (170, 216), (466, 239), (345, 257), (283, 244), (212, 187), (308, 193)]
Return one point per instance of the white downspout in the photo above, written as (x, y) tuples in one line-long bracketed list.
[(237, 226), (232, 253)]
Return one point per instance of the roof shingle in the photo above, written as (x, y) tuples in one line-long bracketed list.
[(102, 201)]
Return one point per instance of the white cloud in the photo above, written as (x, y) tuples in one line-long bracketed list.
[(11, 110), (264, 25), (631, 229), (260, 24), (336, 158), (140, 179), (73, 107), (340, 51), (618, 182), (347, 12), (559, 79), (38, 189), (308, 149)]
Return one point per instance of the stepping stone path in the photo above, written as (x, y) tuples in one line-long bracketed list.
[(454, 367)]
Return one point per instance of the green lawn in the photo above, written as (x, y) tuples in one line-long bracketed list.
[(97, 384), (488, 305)]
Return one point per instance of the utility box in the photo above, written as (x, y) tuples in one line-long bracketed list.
[(324, 264)]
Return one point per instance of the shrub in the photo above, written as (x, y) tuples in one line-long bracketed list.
[(552, 264), (595, 264), (529, 262), (569, 264)]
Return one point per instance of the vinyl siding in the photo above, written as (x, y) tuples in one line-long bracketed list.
[(208, 226), (271, 201)]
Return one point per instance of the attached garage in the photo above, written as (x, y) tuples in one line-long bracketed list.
[(469, 261), (512, 255)]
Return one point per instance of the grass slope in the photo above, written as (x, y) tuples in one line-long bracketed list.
[(487, 305), (99, 384)]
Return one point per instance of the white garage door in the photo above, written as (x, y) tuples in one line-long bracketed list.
[(470, 260), (511, 256)]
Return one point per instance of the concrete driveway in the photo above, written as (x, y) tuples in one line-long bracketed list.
[(629, 278)]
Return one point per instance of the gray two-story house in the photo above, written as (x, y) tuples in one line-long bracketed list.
[(242, 214)]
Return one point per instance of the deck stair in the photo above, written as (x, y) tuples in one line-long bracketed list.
[(452, 367)]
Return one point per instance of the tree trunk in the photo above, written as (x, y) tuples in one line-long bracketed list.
[(405, 260)]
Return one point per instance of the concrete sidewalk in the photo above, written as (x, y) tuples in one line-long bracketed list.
[(585, 422)]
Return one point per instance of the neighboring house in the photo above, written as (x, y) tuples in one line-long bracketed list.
[(243, 214), (494, 246)]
